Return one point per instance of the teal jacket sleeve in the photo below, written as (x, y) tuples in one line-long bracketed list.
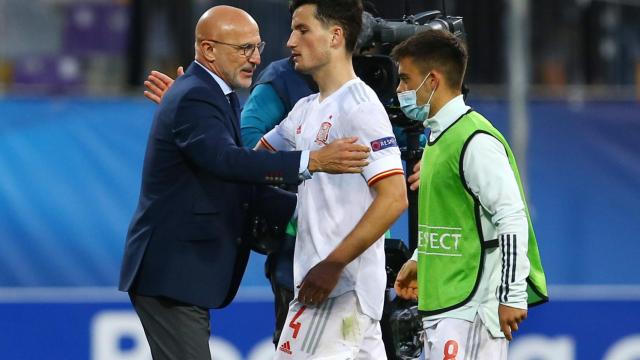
[(262, 111)]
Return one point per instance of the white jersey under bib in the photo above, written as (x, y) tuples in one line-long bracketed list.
[(330, 206)]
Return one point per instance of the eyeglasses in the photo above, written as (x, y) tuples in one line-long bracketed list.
[(246, 49)]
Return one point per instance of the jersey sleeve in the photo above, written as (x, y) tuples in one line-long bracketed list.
[(282, 136), (370, 123)]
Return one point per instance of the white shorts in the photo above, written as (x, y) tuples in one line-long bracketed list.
[(456, 339), (334, 330)]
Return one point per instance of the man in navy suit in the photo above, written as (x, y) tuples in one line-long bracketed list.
[(185, 251)]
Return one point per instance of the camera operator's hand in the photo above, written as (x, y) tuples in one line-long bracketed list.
[(414, 179), (158, 83), (340, 156), (406, 285)]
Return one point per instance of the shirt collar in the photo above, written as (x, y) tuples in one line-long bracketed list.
[(446, 116), (226, 89)]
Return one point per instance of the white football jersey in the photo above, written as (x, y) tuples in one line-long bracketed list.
[(330, 206)]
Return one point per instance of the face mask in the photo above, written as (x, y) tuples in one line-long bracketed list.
[(408, 103)]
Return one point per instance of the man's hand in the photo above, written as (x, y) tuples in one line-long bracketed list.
[(406, 284), (510, 318), (340, 156), (319, 282), (158, 83), (414, 179)]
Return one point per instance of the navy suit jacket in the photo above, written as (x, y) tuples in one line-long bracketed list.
[(186, 238)]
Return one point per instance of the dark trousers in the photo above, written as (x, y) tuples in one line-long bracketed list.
[(279, 270), (174, 330), (282, 298)]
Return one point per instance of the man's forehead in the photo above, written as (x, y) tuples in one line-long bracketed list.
[(402, 67), (406, 64), (304, 15), (243, 36)]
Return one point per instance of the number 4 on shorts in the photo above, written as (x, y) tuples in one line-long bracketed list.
[(296, 325)]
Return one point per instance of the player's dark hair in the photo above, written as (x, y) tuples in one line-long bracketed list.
[(345, 13), (436, 49)]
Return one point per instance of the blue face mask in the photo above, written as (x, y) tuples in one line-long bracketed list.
[(408, 103)]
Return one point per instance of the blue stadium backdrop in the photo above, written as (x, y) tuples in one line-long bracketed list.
[(69, 180)]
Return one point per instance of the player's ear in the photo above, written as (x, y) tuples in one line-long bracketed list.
[(337, 36)]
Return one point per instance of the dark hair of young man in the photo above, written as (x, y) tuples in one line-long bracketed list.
[(345, 13), (436, 49)]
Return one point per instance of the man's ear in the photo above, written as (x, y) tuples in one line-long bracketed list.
[(438, 76), (208, 51), (337, 36)]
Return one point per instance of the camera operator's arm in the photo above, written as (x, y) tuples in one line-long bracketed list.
[(262, 111)]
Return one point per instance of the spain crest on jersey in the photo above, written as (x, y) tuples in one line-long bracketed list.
[(323, 133)]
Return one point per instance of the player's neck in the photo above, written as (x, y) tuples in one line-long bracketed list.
[(333, 75)]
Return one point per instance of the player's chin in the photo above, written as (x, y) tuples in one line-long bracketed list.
[(301, 68)]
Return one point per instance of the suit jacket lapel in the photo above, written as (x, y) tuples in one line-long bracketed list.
[(201, 73)]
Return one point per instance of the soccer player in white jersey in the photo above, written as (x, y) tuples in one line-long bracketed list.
[(477, 257), (339, 264)]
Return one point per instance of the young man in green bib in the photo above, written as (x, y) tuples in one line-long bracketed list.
[(477, 267)]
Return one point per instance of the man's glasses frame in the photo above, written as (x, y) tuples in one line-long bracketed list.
[(246, 49)]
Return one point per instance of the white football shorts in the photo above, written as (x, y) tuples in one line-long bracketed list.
[(456, 339), (334, 330)]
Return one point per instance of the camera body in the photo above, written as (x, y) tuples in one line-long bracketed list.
[(376, 40), (378, 30)]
